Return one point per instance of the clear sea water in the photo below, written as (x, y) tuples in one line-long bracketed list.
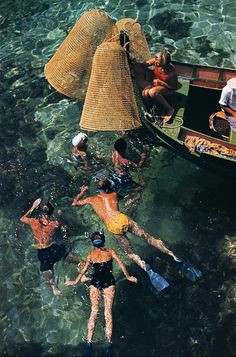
[(191, 209)]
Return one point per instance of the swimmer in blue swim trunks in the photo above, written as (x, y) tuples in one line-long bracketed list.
[(44, 230), (102, 283)]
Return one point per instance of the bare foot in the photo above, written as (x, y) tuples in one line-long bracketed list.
[(55, 290), (84, 279), (167, 117)]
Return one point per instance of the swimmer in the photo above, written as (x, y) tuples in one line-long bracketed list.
[(102, 283), (106, 207), (44, 230)]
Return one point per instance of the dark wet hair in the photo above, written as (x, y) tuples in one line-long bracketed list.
[(120, 145), (48, 208), (105, 185), (98, 239)]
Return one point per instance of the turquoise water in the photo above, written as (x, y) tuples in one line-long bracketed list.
[(191, 209)]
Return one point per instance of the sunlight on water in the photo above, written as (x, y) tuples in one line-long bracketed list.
[(190, 209)]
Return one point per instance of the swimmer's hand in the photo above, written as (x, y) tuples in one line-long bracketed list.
[(132, 279), (84, 188), (145, 149), (70, 283), (36, 204)]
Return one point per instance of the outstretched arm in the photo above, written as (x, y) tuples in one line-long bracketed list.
[(83, 271), (146, 63), (123, 267), (77, 201), (25, 218)]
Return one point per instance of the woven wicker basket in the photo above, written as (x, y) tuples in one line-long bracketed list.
[(137, 42), (110, 103), (69, 69)]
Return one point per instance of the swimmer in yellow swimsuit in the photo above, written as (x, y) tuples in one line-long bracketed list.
[(105, 205)]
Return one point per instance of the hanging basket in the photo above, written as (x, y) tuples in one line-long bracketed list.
[(110, 103), (68, 71), (138, 46)]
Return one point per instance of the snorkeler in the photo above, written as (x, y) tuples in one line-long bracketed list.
[(122, 164), (79, 151), (82, 158), (105, 205), (102, 282), (44, 230)]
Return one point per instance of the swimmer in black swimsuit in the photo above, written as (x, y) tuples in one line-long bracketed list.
[(102, 282)]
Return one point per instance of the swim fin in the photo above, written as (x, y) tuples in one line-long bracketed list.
[(88, 350), (109, 349), (189, 271), (157, 280)]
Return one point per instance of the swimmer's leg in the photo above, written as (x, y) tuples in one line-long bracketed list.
[(95, 295), (157, 281), (135, 228), (128, 249), (108, 294), (49, 276)]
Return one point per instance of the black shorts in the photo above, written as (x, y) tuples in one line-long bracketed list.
[(49, 256)]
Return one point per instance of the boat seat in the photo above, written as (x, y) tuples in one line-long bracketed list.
[(219, 124), (179, 99)]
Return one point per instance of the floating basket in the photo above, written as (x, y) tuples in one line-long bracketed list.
[(69, 69), (138, 46), (110, 103)]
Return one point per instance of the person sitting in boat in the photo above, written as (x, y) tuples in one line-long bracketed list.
[(164, 84), (122, 164), (228, 100)]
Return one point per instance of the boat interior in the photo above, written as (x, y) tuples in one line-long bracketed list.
[(200, 104)]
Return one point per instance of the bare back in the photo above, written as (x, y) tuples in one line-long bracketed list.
[(105, 205), (100, 255), (43, 234)]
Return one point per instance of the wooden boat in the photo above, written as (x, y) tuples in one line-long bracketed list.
[(191, 134)]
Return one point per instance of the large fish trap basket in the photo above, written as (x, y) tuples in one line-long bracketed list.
[(138, 46), (110, 103), (68, 71)]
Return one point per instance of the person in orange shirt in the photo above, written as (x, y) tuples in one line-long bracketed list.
[(164, 84), (49, 252), (105, 204)]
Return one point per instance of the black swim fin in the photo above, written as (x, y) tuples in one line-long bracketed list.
[(109, 349), (190, 271), (88, 350), (157, 280)]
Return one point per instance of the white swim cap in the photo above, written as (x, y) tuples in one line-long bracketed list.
[(79, 140), (232, 83)]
